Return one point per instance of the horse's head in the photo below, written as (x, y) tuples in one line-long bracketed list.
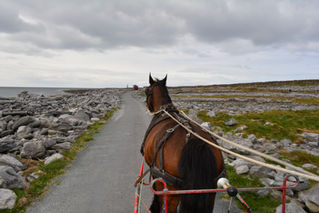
[(157, 94)]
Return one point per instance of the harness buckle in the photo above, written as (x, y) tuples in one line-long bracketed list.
[(170, 130)]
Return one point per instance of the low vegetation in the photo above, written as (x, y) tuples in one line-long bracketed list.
[(282, 124), (265, 204), (48, 173)]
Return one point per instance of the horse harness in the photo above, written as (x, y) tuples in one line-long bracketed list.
[(160, 172)]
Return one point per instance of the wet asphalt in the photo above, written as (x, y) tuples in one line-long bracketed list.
[(101, 179)]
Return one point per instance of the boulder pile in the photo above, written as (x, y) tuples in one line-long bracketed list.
[(39, 127)]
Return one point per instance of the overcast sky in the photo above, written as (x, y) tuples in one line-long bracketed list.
[(105, 43)]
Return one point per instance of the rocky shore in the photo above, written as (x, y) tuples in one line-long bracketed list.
[(39, 127)]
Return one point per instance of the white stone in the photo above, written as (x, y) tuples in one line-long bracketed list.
[(7, 199), (11, 161), (206, 125), (291, 207), (52, 158), (242, 169)]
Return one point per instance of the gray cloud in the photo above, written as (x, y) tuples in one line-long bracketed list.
[(110, 24)]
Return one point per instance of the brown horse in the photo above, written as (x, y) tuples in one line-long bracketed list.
[(181, 159)]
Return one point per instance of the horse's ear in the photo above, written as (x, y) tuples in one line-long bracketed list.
[(151, 80), (164, 80)]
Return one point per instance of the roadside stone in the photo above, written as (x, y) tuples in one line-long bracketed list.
[(22, 122), (302, 185), (95, 119), (260, 171), (33, 150), (243, 169), (11, 179), (11, 161), (6, 145), (52, 158), (231, 122), (211, 113), (252, 138), (309, 166), (206, 125), (65, 145), (268, 124), (7, 199), (310, 136), (312, 195), (291, 207), (24, 132), (81, 115), (44, 131), (269, 147), (267, 181), (285, 142), (313, 208), (48, 143), (64, 127), (241, 128)]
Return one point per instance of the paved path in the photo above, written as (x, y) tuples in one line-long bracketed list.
[(101, 178)]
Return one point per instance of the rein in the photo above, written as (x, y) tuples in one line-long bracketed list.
[(301, 172)]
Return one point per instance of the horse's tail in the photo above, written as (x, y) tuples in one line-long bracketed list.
[(198, 169)]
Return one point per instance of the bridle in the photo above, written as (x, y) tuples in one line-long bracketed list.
[(149, 96)]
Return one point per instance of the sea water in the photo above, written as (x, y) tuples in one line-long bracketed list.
[(47, 91)]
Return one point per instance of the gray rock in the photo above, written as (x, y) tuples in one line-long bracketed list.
[(310, 195), (310, 136), (292, 207), (11, 179), (309, 166), (239, 162), (206, 125), (11, 161), (33, 150), (302, 185), (35, 124), (267, 181), (3, 125), (95, 119), (81, 115), (252, 138), (269, 147), (313, 208), (260, 171), (243, 169), (241, 128), (64, 127), (65, 145), (313, 144), (24, 132), (261, 140), (22, 122), (211, 113), (231, 122), (268, 124), (52, 158), (44, 131), (7, 145), (7, 199), (49, 142), (285, 142)]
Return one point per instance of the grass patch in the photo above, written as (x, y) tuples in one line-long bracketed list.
[(48, 172), (264, 204), (299, 158), (286, 124), (308, 101)]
